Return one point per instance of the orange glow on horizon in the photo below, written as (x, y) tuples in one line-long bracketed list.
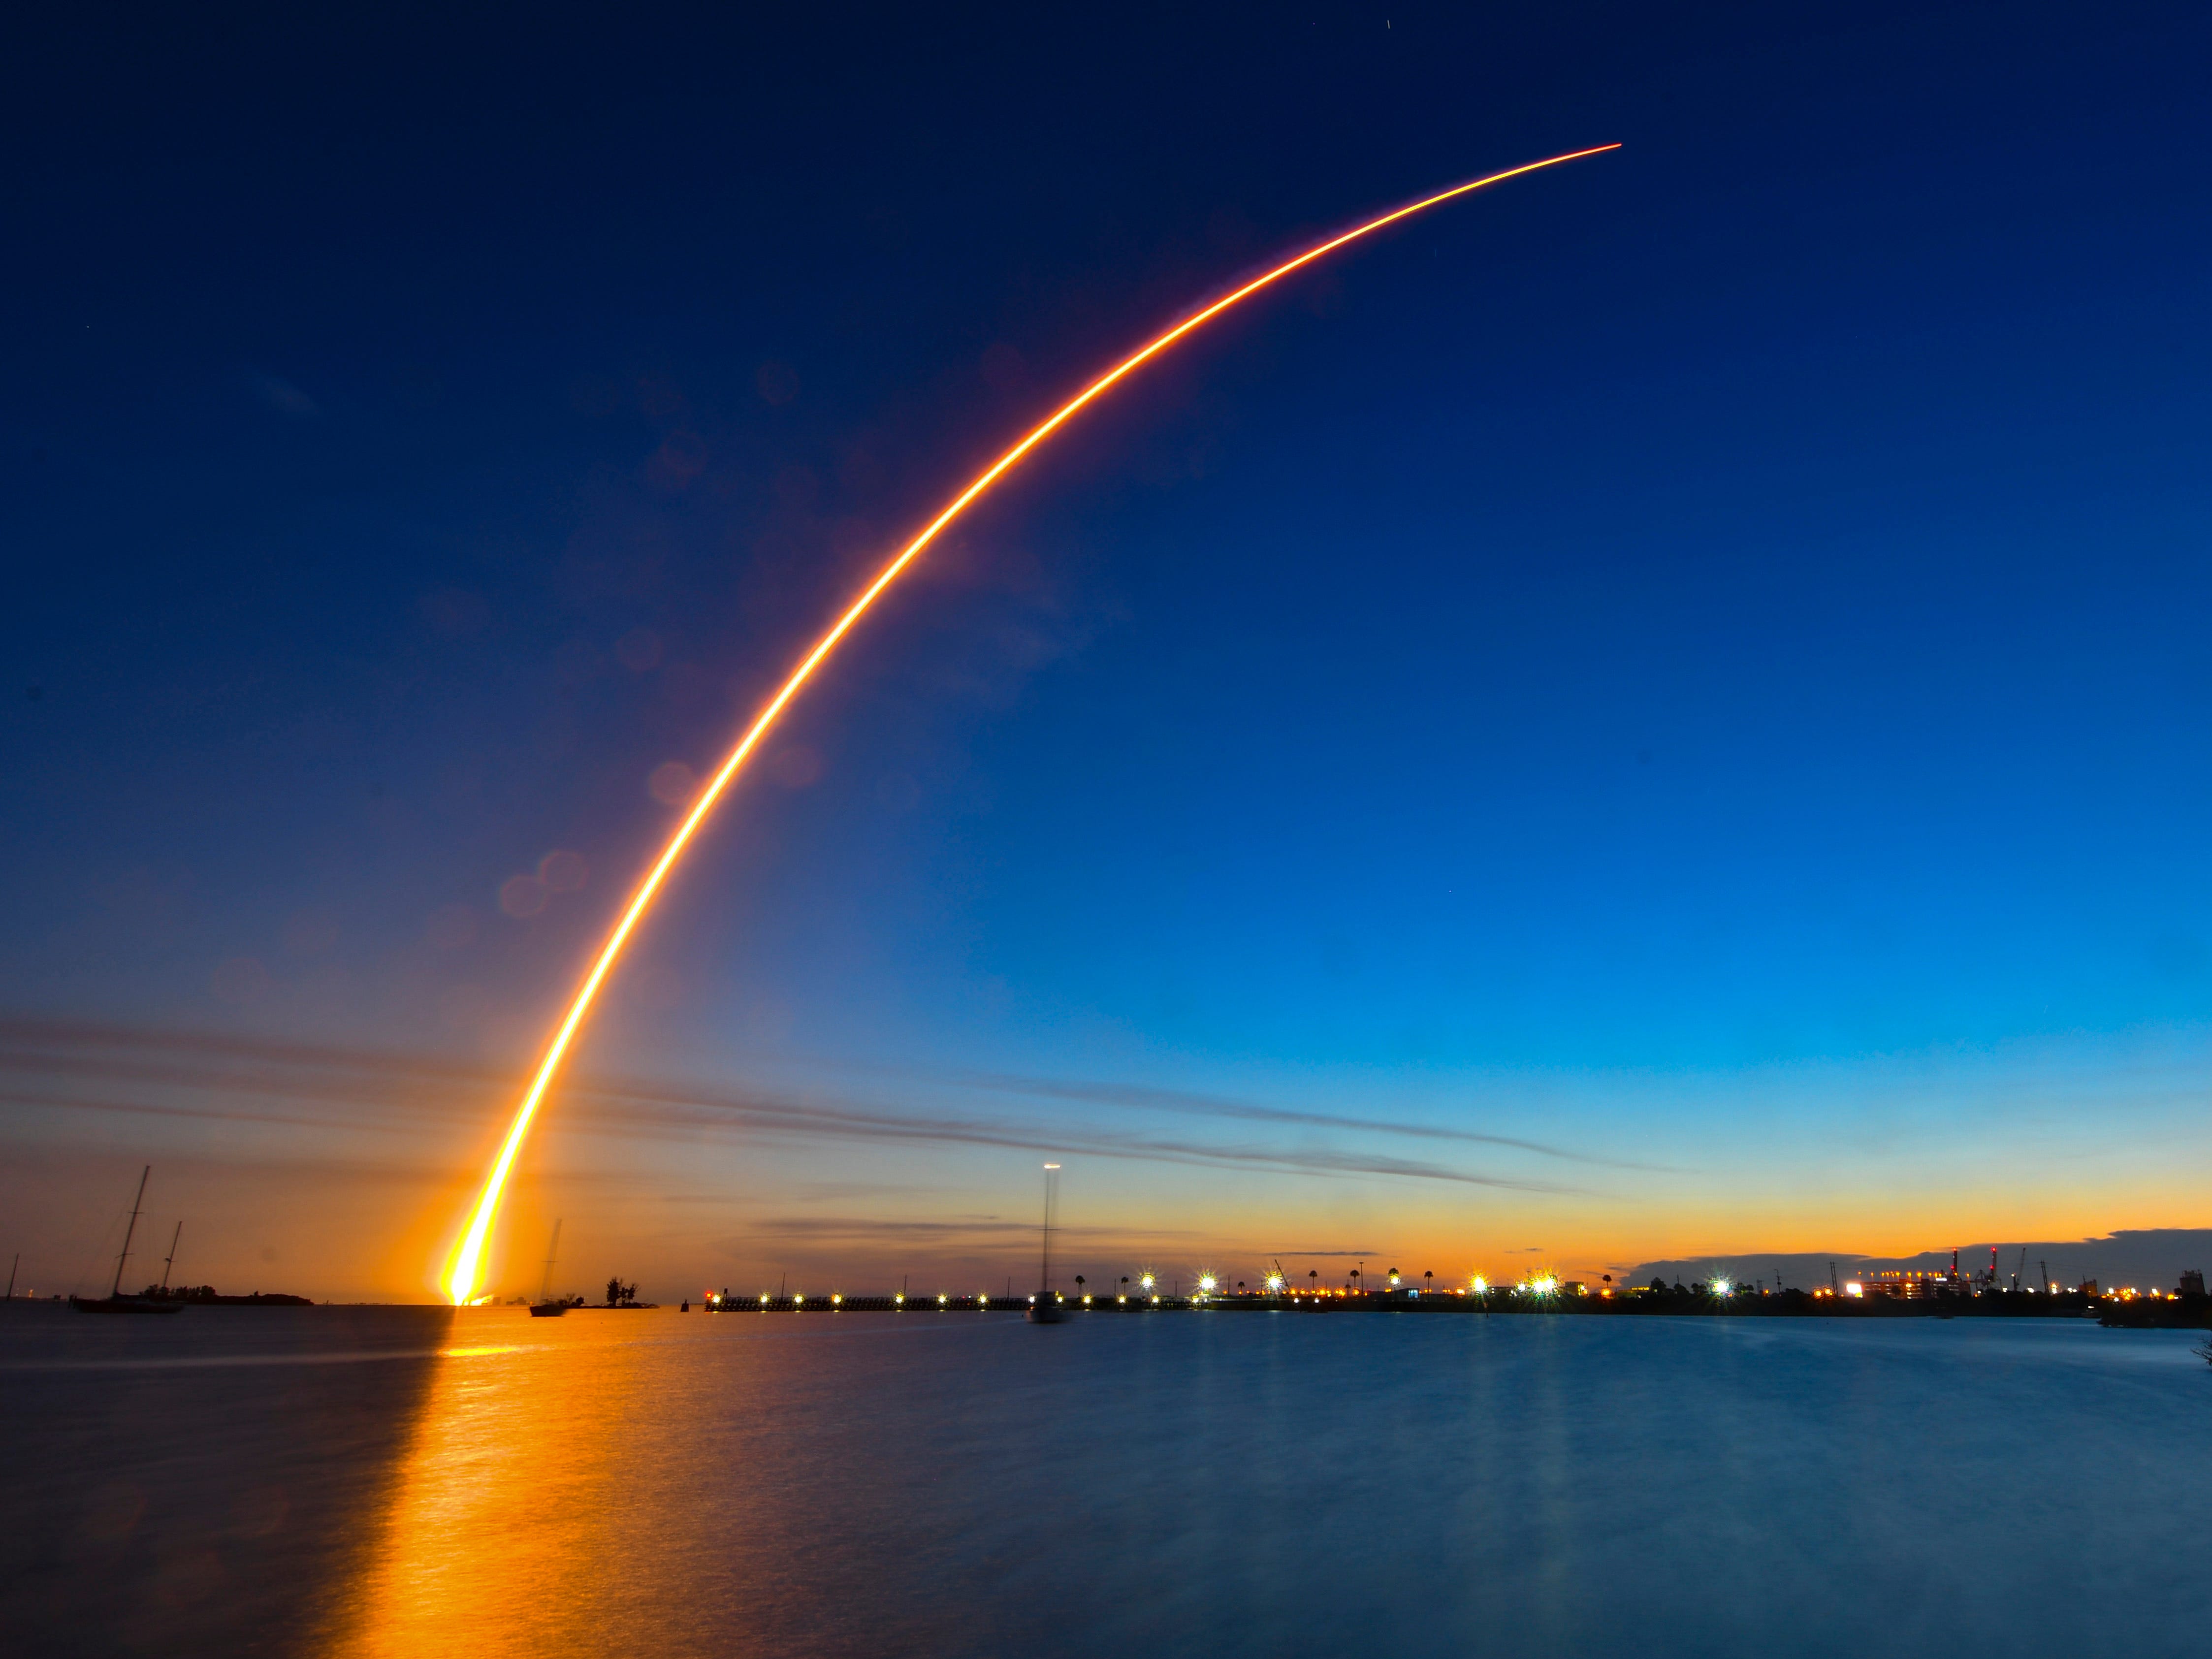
[(465, 1269)]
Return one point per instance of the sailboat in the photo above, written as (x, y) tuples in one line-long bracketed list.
[(545, 1307), (115, 1302), (1044, 1306)]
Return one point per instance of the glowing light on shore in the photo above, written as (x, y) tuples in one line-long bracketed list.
[(464, 1268)]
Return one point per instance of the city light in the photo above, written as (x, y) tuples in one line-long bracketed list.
[(1274, 1283), (1481, 1285), (1206, 1284), (465, 1268), (1722, 1287)]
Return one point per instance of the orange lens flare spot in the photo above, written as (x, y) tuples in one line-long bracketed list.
[(464, 1268)]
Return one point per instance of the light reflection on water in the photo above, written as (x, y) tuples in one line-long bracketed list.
[(510, 1527), (664, 1484)]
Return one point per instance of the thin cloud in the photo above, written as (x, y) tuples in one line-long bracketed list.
[(386, 1086), (817, 1228)]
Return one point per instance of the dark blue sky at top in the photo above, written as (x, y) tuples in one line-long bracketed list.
[(1738, 599)]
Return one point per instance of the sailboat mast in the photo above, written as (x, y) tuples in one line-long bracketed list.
[(171, 1259), (128, 1231), (552, 1250), (1051, 1192)]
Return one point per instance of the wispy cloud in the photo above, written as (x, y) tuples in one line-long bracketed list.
[(283, 397), (372, 1089), (816, 1228)]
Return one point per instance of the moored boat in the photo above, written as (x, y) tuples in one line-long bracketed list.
[(548, 1306), (1045, 1307), (115, 1302)]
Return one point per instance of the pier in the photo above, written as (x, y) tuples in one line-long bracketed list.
[(2187, 1311)]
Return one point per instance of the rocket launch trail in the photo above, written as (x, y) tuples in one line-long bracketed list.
[(465, 1268)]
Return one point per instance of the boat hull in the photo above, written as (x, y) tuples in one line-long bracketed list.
[(123, 1304), (548, 1309)]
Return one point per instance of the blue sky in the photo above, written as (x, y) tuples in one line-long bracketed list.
[(1699, 651)]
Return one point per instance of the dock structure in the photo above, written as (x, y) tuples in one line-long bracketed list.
[(1354, 1302), (1510, 1301)]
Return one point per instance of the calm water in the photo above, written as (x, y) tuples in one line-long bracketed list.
[(410, 1482)]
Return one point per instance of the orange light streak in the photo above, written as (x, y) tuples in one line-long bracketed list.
[(464, 1275)]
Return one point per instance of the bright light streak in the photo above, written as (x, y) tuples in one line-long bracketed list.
[(1206, 1284), (1481, 1285), (464, 1268), (1274, 1283), (1722, 1287)]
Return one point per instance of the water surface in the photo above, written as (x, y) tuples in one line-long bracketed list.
[(413, 1482)]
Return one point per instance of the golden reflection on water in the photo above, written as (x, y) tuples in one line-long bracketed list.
[(508, 1515)]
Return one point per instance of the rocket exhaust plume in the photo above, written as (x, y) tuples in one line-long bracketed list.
[(465, 1268)]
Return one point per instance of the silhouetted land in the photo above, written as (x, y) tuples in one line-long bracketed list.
[(208, 1296)]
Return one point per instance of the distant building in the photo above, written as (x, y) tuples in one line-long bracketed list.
[(2192, 1282), (1910, 1287), (2089, 1287)]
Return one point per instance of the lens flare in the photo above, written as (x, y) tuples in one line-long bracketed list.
[(464, 1266)]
